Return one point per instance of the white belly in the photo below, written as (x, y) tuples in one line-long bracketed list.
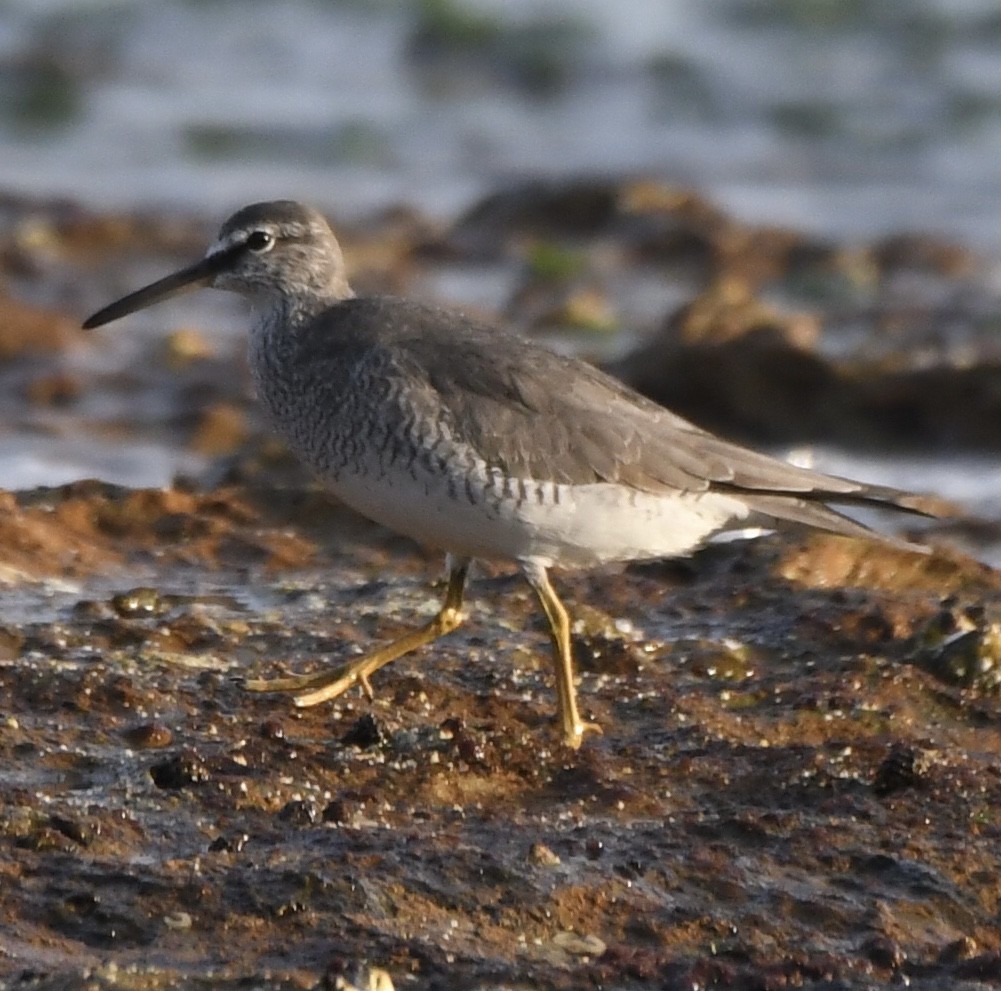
[(566, 525)]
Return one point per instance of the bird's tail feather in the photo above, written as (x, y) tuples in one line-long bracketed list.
[(822, 517)]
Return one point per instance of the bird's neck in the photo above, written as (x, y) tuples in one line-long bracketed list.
[(279, 329), (290, 313), (295, 309)]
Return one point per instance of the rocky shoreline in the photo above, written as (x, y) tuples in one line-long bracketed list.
[(798, 782)]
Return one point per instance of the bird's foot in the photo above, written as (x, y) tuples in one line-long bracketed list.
[(574, 731), (312, 689), (321, 686)]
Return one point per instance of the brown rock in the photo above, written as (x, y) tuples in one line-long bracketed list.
[(26, 329)]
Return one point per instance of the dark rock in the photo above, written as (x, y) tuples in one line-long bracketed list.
[(179, 771)]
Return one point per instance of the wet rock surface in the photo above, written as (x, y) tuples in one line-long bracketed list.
[(782, 796), (798, 783)]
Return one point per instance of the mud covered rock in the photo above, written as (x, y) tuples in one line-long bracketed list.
[(29, 330), (761, 384), (781, 795), (83, 527)]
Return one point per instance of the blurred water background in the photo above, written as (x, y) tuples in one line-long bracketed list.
[(848, 117)]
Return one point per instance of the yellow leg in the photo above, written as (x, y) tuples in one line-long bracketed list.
[(312, 689), (559, 627)]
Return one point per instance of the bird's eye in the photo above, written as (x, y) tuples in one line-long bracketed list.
[(260, 241)]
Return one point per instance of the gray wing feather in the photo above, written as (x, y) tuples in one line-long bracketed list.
[(539, 415)]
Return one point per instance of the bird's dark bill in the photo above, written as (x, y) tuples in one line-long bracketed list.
[(193, 277)]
